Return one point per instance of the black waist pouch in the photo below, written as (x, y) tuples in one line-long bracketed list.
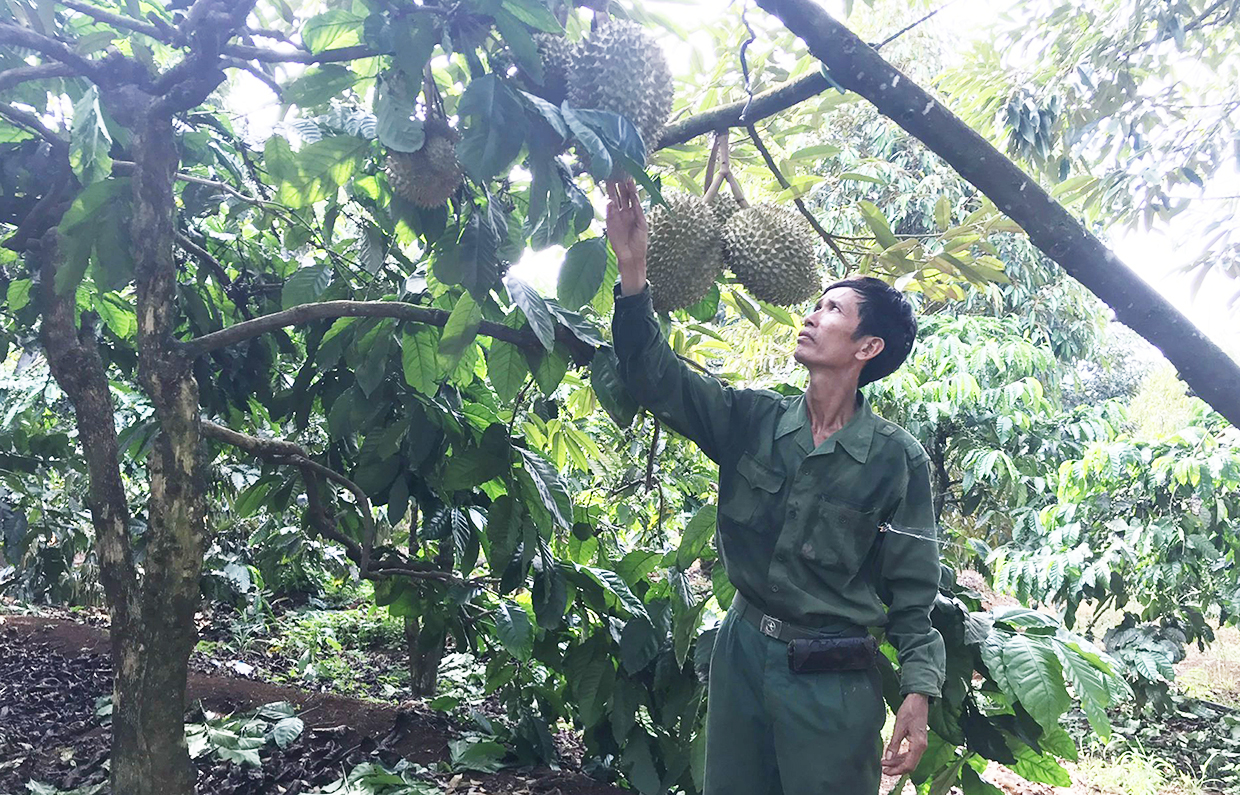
[(813, 655)]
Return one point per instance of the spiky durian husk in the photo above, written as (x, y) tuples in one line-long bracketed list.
[(724, 205), (770, 248), (431, 175), (685, 252), (556, 54), (620, 68)]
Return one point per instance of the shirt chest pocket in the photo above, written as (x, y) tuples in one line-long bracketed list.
[(754, 499), (843, 540)]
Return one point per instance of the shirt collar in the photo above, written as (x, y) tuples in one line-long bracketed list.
[(855, 437)]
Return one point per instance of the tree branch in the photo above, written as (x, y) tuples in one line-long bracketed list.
[(306, 313), (118, 21), (24, 74), (248, 53), (767, 103), (17, 36), (33, 123), (1213, 375), (783, 183), (284, 452)]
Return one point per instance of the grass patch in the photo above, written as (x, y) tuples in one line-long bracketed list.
[(1135, 772)]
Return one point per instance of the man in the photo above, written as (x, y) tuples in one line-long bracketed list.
[(822, 507)]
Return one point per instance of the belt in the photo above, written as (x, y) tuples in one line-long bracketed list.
[(787, 631)]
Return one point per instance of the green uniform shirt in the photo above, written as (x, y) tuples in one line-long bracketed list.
[(799, 525)]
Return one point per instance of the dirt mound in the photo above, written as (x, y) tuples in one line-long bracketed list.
[(52, 672)]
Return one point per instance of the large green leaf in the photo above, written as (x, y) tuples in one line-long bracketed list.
[(514, 629), (471, 465), (591, 143), (533, 13), (638, 764), (1035, 675), (612, 395), (622, 139), (306, 284), (591, 676), (416, 34), (420, 359), (696, 536), (89, 140), (332, 29), (580, 277), (319, 85), (395, 125), (639, 644), (507, 370), (462, 326), (535, 308), (551, 490), (615, 585), (1042, 768), (318, 170), (1090, 686), (471, 261), (550, 596), (877, 222), (497, 127)]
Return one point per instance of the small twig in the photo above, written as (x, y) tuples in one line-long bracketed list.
[(263, 77), (31, 122), (709, 178), (909, 27), (248, 53), (783, 183), (654, 443), (516, 405)]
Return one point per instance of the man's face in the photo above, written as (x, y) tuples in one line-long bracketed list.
[(826, 339)]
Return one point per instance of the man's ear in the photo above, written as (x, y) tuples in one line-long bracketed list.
[(872, 347)]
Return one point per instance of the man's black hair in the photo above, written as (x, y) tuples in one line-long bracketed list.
[(884, 312)]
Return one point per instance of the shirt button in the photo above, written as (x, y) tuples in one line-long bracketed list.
[(792, 513), (781, 557), (774, 589)]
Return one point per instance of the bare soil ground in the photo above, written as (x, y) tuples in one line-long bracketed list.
[(52, 671)]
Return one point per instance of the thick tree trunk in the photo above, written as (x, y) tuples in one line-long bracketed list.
[(857, 67), (149, 753), (425, 649)]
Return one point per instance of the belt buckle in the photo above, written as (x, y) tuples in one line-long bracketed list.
[(770, 626)]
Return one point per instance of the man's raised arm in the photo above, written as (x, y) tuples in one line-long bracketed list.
[(695, 405)]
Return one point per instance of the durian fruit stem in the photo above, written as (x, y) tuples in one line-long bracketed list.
[(725, 168), (709, 179), (713, 188)]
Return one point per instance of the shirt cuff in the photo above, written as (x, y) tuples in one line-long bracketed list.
[(638, 302)]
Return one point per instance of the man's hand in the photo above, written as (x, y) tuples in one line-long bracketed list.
[(911, 727), (627, 233)]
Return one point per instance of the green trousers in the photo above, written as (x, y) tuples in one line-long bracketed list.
[(770, 731)]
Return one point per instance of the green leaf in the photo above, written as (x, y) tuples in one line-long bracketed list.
[(1036, 677), (591, 143), (507, 370), (697, 535), (974, 784), (332, 29), (462, 326), (548, 368), (638, 764), (519, 40), (416, 34), (318, 170), (306, 284), (319, 85), (685, 622), (610, 390), (473, 465), (533, 13), (722, 587), (943, 213), (535, 308), (639, 645), (514, 630), (420, 360), (472, 261), (1042, 768), (19, 294), (395, 125), (89, 140), (591, 677), (116, 313), (497, 127), (854, 176), (550, 597), (877, 222), (618, 134), (585, 264), (551, 490), (287, 730), (614, 584), (484, 756)]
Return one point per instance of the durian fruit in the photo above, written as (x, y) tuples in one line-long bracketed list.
[(685, 252), (429, 176), (724, 205), (556, 54), (770, 248), (620, 68)]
